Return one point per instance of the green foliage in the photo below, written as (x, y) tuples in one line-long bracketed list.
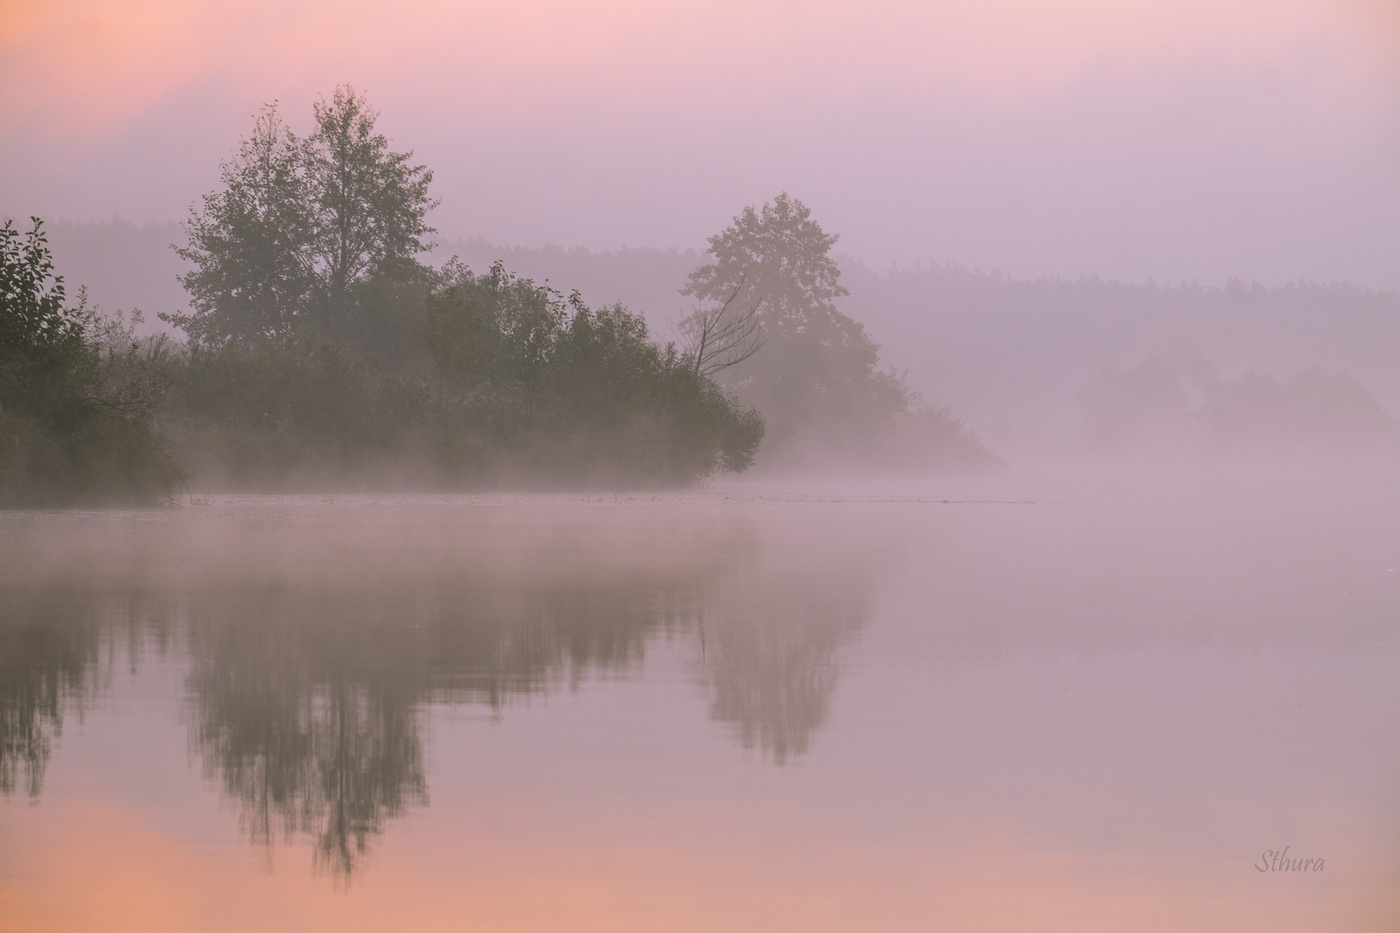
[(321, 350), (490, 336), (260, 414), (78, 396), (573, 394), (782, 257), (519, 386), (367, 203), (302, 232), (252, 278), (38, 330)]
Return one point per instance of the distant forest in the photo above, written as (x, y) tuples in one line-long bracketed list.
[(1011, 356)]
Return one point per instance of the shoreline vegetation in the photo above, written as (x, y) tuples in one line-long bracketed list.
[(319, 352)]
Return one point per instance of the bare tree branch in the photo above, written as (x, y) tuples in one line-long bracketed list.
[(717, 338)]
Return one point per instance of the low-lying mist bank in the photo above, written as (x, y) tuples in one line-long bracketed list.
[(1010, 356)]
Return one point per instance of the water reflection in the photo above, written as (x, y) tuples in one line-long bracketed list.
[(47, 649), (308, 708), (311, 729), (769, 640), (309, 678)]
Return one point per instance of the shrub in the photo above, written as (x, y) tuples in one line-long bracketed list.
[(79, 396)]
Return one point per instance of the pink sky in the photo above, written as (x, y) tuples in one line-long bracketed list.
[(1132, 139)]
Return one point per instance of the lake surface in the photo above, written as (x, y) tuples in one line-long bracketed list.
[(1049, 705)]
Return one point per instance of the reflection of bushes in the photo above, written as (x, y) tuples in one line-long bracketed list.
[(315, 645), (303, 746), (48, 652), (40, 667), (307, 711)]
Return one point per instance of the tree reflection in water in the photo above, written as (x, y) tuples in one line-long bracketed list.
[(769, 638), (307, 710), (309, 678), (51, 643), (45, 660), (311, 727)]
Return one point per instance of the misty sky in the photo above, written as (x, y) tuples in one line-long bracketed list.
[(1164, 139)]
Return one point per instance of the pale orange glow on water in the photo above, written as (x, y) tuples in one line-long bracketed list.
[(476, 871)]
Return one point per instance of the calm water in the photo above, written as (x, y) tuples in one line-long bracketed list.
[(1078, 707)]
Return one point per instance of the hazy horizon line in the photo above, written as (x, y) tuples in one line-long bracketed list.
[(847, 260)]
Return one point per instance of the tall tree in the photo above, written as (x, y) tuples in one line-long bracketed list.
[(298, 225), (777, 258), (716, 336), (250, 243), (369, 202), (809, 367)]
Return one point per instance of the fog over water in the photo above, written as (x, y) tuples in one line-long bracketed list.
[(744, 708)]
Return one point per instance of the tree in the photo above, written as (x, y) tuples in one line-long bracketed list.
[(367, 203), (779, 259), (250, 244), (299, 226), (818, 369)]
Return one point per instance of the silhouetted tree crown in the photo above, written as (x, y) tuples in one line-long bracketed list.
[(777, 257), (816, 370), (298, 226), (368, 203), (250, 241)]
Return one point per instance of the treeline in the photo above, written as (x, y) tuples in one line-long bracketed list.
[(472, 379), (318, 350), (1017, 352), (1009, 354), (476, 379), (1158, 409)]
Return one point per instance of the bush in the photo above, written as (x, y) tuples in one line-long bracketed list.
[(79, 396), (562, 393), (269, 413)]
